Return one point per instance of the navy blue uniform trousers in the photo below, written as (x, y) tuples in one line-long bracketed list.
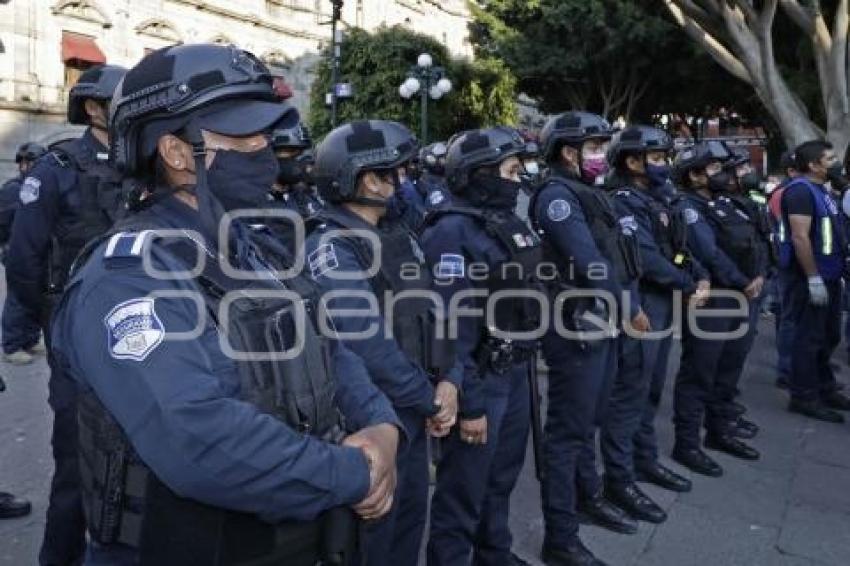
[(658, 307), (471, 504), (580, 378), (397, 537), (706, 377)]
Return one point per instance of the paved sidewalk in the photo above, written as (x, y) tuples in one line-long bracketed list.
[(791, 508)]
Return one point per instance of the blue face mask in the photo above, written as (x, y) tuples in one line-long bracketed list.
[(658, 175)]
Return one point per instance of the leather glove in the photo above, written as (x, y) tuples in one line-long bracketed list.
[(818, 295)]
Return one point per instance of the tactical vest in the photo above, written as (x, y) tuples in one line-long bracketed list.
[(127, 504), (669, 229), (755, 204), (826, 234), (736, 234), (515, 314), (619, 248), (402, 269), (102, 202)]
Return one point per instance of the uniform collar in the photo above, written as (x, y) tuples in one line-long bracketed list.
[(92, 145)]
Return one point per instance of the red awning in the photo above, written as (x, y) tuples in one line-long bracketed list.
[(76, 47)]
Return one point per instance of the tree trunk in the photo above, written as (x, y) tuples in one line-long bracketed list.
[(739, 37)]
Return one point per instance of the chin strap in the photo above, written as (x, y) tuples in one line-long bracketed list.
[(371, 202), (209, 209)]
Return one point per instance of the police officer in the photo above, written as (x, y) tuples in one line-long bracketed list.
[(706, 379), (199, 442), (21, 330), (811, 260), (482, 459), (592, 250), (431, 185), (738, 215), (69, 196), (293, 188), (639, 157), (358, 170)]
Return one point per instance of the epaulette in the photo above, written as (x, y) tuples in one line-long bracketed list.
[(62, 159), (125, 245)]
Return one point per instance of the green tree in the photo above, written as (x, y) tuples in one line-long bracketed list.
[(376, 64), (599, 55)]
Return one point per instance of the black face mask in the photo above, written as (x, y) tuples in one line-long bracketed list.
[(242, 179), (749, 182), (719, 182), (493, 192), (835, 175), (291, 172)]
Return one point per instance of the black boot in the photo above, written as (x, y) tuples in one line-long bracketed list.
[(697, 461), (601, 512), (663, 477), (731, 445), (574, 554), (742, 428), (636, 503), (836, 401), (12, 507), (815, 410)]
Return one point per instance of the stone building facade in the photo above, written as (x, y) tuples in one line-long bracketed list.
[(45, 45)]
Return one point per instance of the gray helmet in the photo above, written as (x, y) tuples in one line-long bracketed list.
[(351, 149), (573, 128), (29, 152), (188, 88), (638, 139), (698, 157), (481, 148), (97, 83), (285, 136)]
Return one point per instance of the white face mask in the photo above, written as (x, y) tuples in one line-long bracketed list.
[(532, 168)]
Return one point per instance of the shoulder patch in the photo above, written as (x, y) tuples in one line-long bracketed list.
[(629, 225), (691, 216), (29, 190), (322, 260), (451, 265), (558, 210), (436, 197), (133, 329)]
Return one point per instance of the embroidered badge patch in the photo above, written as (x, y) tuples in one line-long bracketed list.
[(451, 265), (691, 216), (436, 198), (629, 225), (29, 190), (133, 329), (558, 210), (322, 260)]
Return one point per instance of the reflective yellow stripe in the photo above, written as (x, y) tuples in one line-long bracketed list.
[(826, 235)]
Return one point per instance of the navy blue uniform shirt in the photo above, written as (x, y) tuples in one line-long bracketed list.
[(177, 400)]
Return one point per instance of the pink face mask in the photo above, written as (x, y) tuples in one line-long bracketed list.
[(593, 167)]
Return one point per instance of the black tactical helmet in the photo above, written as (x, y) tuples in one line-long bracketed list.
[(29, 152), (188, 88), (97, 83), (287, 136), (698, 157), (738, 156), (481, 148), (572, 128), (638, 139), (351, 149)]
